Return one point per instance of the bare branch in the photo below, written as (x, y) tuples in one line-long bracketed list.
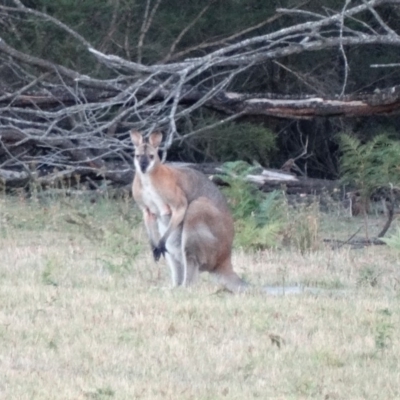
[(299, 28), (385, 26), (112, 28), (390, 65), (147, 21), (55, 117), (299, 77), (185, 30), (207, 45), (143, 31), (346, 64), (22, 9)]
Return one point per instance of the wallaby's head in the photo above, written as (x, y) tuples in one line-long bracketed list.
[(146, 151)]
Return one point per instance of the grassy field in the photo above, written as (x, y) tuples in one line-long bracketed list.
[(86, 314)]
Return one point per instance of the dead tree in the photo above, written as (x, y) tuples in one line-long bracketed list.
[(55, 119)]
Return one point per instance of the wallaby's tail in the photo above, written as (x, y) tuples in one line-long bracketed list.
[(232, 282)]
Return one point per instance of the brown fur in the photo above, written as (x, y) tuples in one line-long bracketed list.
[(186, 217)]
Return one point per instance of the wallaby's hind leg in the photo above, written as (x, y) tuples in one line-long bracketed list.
[(191, 269), (175, 260), (207, 237), (174, 253), (198, 246), (177, 270)]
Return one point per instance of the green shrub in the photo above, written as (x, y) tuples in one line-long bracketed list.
[(370, 165), (259, 218)]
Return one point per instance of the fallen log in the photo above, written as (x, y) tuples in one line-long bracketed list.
[(269, 180), (110, 175), (14, 179)]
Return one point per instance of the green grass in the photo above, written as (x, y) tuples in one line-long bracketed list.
[(85, 313)]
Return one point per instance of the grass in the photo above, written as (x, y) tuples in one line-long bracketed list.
[(86, 314)]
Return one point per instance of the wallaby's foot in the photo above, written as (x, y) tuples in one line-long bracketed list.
[(232, 282)]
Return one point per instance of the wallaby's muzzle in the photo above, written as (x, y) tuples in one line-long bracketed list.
[(144, 163)]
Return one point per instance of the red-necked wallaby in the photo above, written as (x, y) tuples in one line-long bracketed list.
[(187, 218)]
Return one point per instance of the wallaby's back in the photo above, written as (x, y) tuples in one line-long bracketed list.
[(195, 184)]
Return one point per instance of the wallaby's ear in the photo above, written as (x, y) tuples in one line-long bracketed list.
[(137, 138), (155, 139)]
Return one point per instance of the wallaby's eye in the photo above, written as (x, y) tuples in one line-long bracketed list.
[(151, 156)]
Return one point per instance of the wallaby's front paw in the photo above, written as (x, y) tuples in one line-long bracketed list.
[(159, 251)]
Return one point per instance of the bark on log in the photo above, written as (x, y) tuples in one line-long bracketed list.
[(268, 180), (384, 102)]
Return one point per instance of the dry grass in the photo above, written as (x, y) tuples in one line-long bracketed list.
[(86, 314)]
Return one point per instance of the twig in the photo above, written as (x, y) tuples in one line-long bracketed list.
[(390, 65), (381, 22), (112, 28), (185, 30), (206, 45), (346, 64), (147, 21)]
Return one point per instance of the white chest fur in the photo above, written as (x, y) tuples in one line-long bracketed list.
[(153, 199)]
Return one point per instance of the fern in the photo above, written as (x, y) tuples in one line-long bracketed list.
[(243, 196), (370, 165), (259, 218), (270, 209), (250, 236)]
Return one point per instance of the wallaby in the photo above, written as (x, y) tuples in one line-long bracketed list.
[(186, 217)]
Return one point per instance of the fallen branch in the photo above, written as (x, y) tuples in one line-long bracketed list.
[(14, 179)]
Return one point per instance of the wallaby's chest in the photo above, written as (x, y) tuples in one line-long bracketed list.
[(151, 198)]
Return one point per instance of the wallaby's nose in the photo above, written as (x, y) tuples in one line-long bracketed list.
[(144, 163)]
